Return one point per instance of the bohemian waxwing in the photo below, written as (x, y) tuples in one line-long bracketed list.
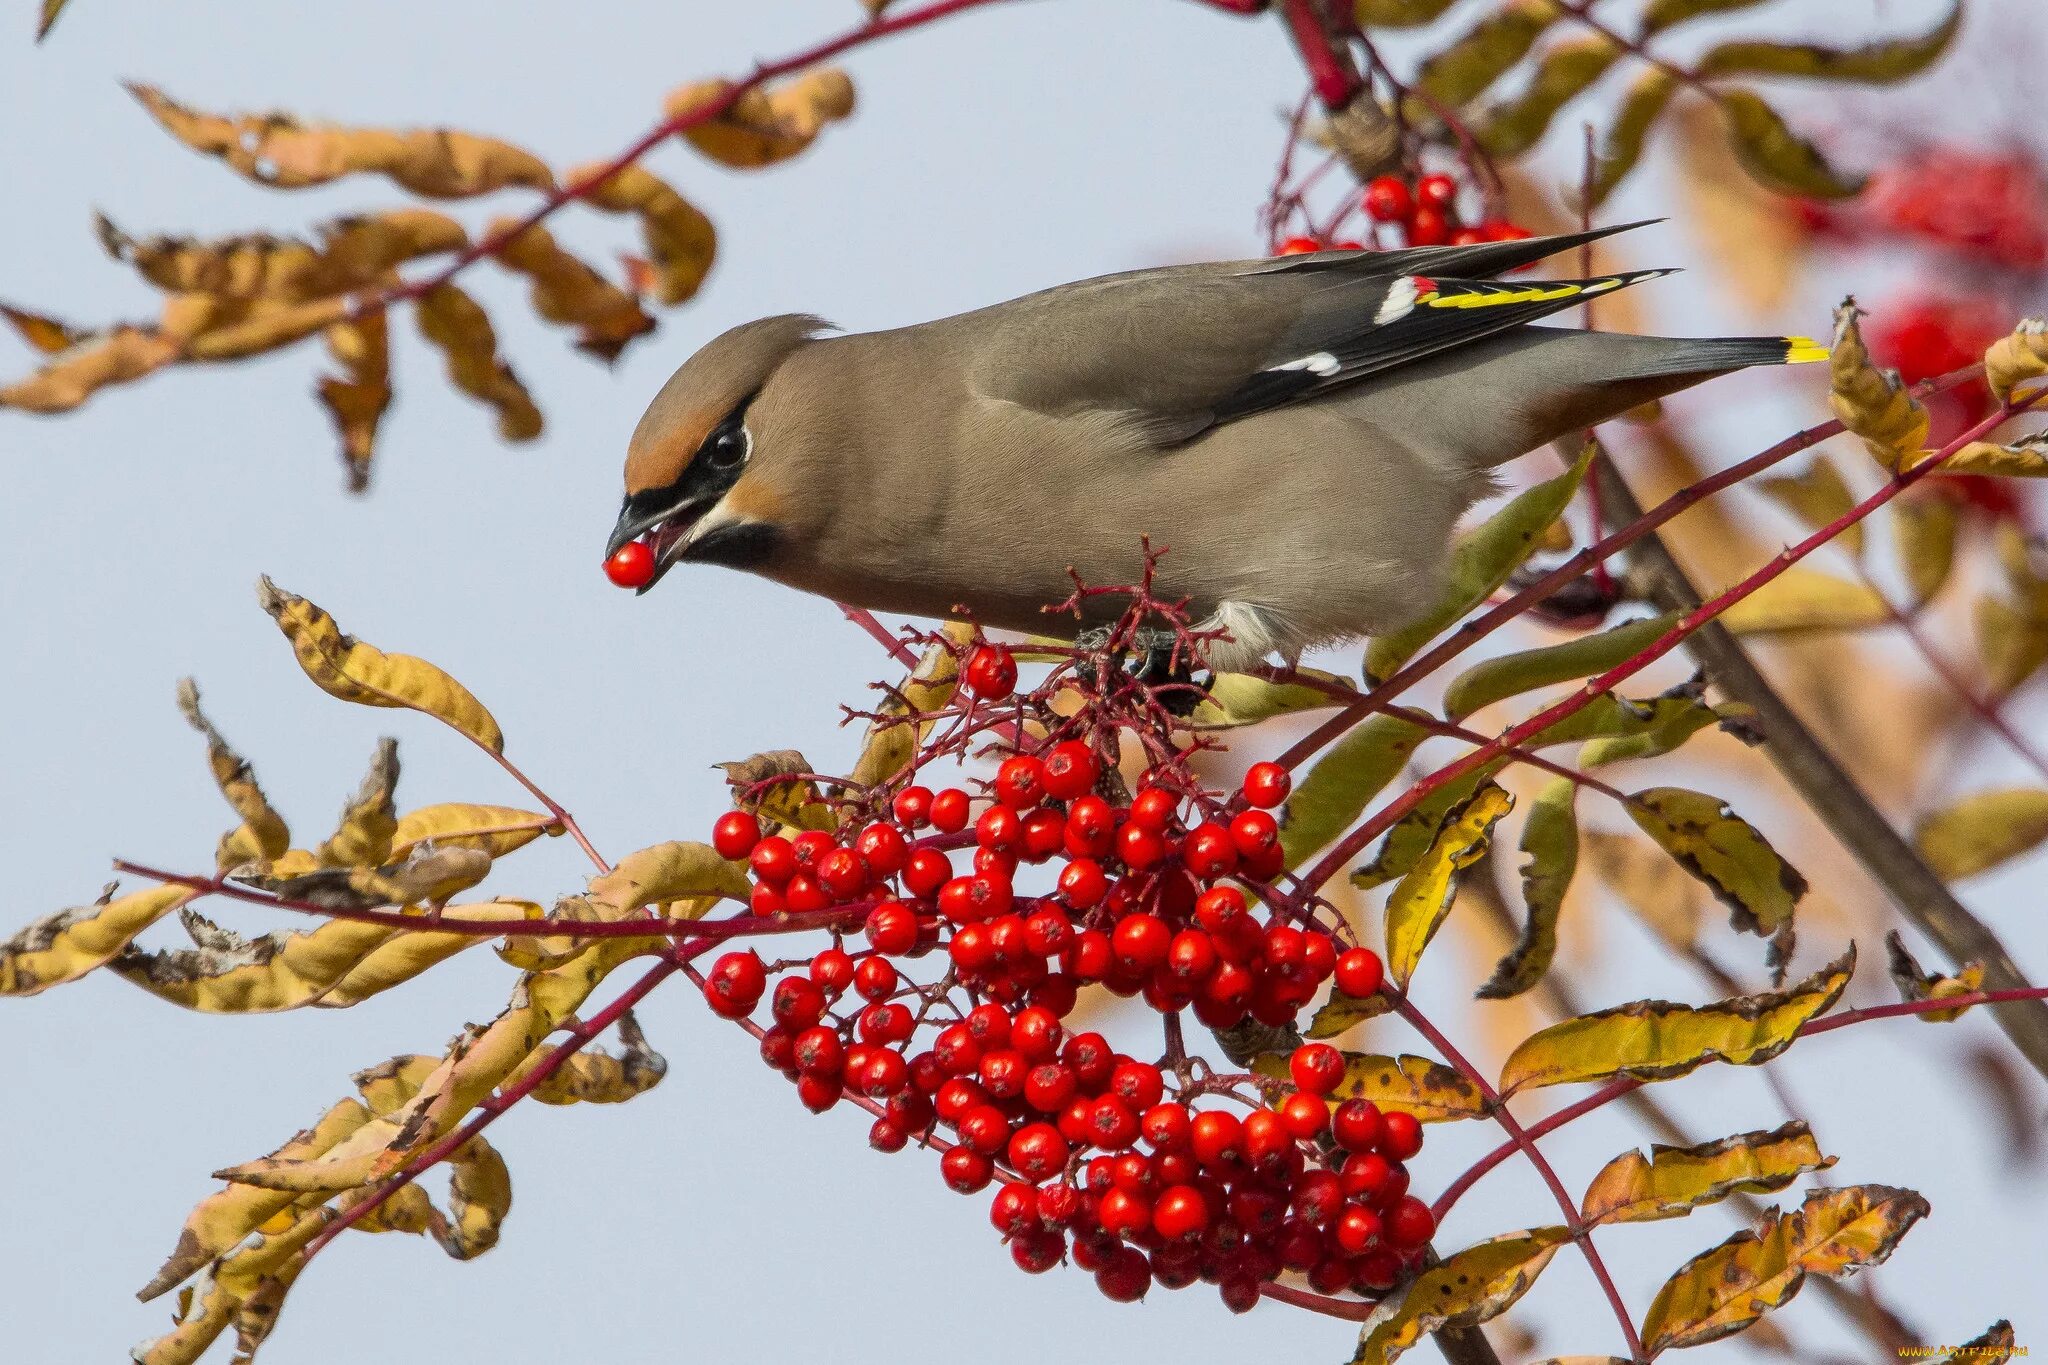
[(1301, 435)]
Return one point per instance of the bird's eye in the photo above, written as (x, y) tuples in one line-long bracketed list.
[(729, 447)]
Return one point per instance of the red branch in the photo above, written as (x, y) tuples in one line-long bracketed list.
[(1330, 68)]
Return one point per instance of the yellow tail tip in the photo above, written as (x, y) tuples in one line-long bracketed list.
[(1803, 350)]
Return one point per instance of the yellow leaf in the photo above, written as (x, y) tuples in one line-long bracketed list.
[(1674, 1181), (1341, 1013), (763, 126), (1833, 1233), (566, 290), (1423, 897), (44, 334), (479, 1197), (1760, 889), (1774, 155), (1659, 15), (676, 871), (1917, 984), (1628, 129), (224, 1218), (279, 151), (1468, 1288), (594, 1077), (1656, 1040), (2012, 643), (892, 741), (1398, 13), (1236, 699), (1431, 1091), (263, 834), (1336, 790), (62, 947), (1511, 675), (1620, 728), (1996, 1344), (47, 19), (496, 830), (1925, 529), (118, 356), (1480, 563), (773, 785), (2026, 458), (354, 253), (1550, 837), (1877, 63), (1817, 496), (357, 399), (680, 239), (1872, 403), (455, 323), (2017, 358), (1803, 599), (1983, 830), (1410, 838), (344, 667), (363, 838)]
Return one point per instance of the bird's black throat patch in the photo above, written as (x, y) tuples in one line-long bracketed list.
[(737, 545)]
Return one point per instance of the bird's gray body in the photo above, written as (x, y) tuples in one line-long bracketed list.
[(980, 463)]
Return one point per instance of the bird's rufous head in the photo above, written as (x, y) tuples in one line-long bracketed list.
[(688, 486)]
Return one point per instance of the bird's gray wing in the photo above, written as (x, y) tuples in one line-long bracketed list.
[(1167, 354)]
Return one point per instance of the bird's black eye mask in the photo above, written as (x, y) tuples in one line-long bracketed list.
[(665, 515)]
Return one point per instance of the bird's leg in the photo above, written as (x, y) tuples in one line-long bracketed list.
[(1167, 666)]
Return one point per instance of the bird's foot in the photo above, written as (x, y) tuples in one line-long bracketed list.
[(1162, 662)]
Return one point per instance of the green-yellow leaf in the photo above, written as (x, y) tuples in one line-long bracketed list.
[(893, 738), (1335, 791), (1873, 403), (1489, 50), (1480, 563), (2012, 643), (1673, 1181), (1241, 699), (1468, 1288), (1817, 495), (1398, 13), (1423, 898), (1341, 1013), (1659, 15), (1675, 717), (1983, 830), (1730, 855), (344, 667), (1550, 837), (1410, 838), (1802, 599), (47, 20), (2026, 458), (1431, 1091), (1513, 674), (1648, 96), (1563, 73), (1656, 1040), (1833, 1233), (1878, 63), (1775, 156)]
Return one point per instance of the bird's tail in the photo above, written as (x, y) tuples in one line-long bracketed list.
[(1718, 355)]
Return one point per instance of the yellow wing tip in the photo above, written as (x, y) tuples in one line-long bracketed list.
[(1803, 351)]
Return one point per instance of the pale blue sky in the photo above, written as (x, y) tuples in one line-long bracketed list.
[(711, 1218)]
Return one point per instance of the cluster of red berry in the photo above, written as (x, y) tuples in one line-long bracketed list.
[(1095, 1154), (1989, 208), (1423, 212)]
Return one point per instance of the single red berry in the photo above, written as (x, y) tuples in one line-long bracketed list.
[(843, 873), (1153, 809), (1255, 833), (735, 834), (991, 673), (1400, 1135), (1303, 1115), (1045, 833), (885, 1074), (1179, 1213), (773, 860), (885, 1024), (1377, 1272), (1124, 1212), (797, 1003), (1037, 1251), (1217, 906), (874, 978), (1138, 1085), (819, 1093), (926, 871), (1036, 1033), (1317, 1196), (999, 827), (777, 1045), (1266, 1139), (965, 1170), (1357, 1228), (832, 972), (1266, 785), (819, 1052), (1360, 972), (631, 565), (1331, 1274), (1111, 1124), (1396, 1185), (1436, 191), (1014, 1210), (1138, 846), (1091, 827), (1020, 782), (1070, 770), (1357, 1125), (891, 928), (766, 901), (804, 893), (1500, 230), (1216, 1137), (1049, 1088), (1318, 956), (1410, 1223), (1364, 1175), (883, 849), (912, 807), (1209, 851), (887, 1136), (1126, 1277), (1038, 1152), (1316, 1067), (1429, 227), (735, 984), (949, 811), (1190, 957), (1387, 199), (1141, 942), (1048, 931), (810, 846), (985, 1128), (1297, 246)]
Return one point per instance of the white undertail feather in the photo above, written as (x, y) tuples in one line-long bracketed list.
[(1254, 633)]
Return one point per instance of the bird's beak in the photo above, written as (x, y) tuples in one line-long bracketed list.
[(666, 530)]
